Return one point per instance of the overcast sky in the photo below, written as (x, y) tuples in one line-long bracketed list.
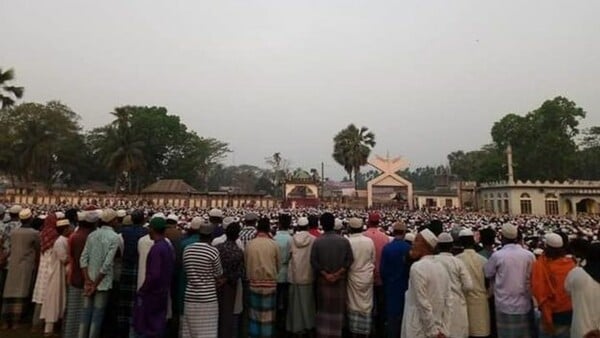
[(427, 77)]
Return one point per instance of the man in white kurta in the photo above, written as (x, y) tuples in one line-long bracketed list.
[(426, 310), (460, 282), (477, 299), (360, 281)]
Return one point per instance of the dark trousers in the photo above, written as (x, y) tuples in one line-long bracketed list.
[(226, 305), (282, 306), (394, 325), (378, 329)]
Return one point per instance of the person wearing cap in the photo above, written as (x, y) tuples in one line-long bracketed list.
[(510, 270), (54, 301), (583, 286), (248, 232), (215, 217), (380, 239), (232, 260), (360, 280), (48, 236), (313, 225), (460, 283), (394, 275), (25, 247), (262, 269), (152, 299), (477, 298), (283, 238), (548, 276), (192, 236), (5, 229), (75, 279), (204, 272), (130, 234), (97, 264), (330, 258), (301, 307), (426, 309)]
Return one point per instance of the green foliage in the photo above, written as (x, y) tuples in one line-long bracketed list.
[(422, 178), (9, 94), (543, 143), (351, 149), (42, 143)]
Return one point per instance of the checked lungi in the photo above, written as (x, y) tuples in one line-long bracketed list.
[(13, 310), (359, 323), (200, 320), (262, 311), (513, 326), (127, 291), (331, 304), (73, 312)]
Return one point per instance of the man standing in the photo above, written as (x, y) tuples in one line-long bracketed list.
[(24, 250), (360, 281), (96, 262), (262, 268), (5, 230), (248, 232), (203, 271), (510, 269), (232, 260), (283, 238), (215, 217), (152, 301), (460, 282), (301, 310), (477, 301), (394, 275), (380, 240), (192, 237), (331, 257), (131, 234), (75, 275), (426, 312)]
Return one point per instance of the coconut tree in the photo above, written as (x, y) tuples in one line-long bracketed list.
[(351, 149), (8, 93)]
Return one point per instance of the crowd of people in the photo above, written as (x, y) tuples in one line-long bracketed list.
[(156, 272)]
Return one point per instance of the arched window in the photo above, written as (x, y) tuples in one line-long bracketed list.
[(551, 203), (525, 204)]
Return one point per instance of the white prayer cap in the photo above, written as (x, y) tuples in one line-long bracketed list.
[(108, 215), (355, 223), (338, 225), (554, 240), (25, 214), (227, 221), (159, 215), (81, 216), (445, 237), (215, 213), (302, 221), (59, 215), (409, 237), (15, 209), (465, 233), (121, 213), (538, 252), (510, 231), (173, 217), (429, 237), (196, 223)]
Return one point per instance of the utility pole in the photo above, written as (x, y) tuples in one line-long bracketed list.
[(322, 179)]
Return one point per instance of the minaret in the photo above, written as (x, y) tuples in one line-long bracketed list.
[(509, 163)]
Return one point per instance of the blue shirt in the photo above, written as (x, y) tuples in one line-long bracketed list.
[(98, 256), (394, 275), (283, 239)]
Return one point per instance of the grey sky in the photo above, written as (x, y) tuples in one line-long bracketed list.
[(428, 77)]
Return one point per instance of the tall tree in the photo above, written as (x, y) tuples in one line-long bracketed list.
[(351, 149), (9, 94)]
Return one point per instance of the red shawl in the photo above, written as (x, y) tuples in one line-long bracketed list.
[(48, 234)]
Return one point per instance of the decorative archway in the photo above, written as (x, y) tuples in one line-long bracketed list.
[(587, 206), (388, 183)]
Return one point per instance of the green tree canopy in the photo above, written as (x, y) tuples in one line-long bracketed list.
[(351, 149)]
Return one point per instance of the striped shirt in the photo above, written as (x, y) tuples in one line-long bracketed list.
[(202, 266)]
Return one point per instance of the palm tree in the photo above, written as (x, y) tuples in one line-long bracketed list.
[(351, 149), (123, 155), (8, 94)]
